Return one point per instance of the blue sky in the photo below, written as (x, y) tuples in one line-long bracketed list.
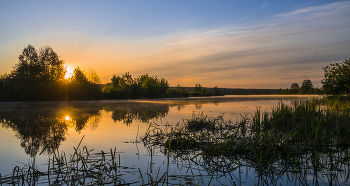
[(234, 44)]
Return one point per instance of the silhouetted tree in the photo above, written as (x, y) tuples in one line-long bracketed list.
[(306, 87), (80, 88), (143, 86), (294, 88), (179, 91), (337, 78), (93, 77), (216, 91), (37, 76)]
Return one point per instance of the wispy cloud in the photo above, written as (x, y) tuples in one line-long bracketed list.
[(280, 51), (264, 5), (284, 49)]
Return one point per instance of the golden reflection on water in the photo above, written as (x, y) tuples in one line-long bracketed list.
[(113, 122)]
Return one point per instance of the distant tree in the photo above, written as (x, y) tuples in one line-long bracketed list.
[(156, 87), (37, 76), (198, 88), (143, 86), (115, 81), (93, 77), (294, 88), (79, 77), (81, 89), (337, 78), (54, 67), (306, 87), (179, 91), (216, 91)]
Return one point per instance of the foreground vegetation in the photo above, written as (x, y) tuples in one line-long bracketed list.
[(295, 140), (304, 138)]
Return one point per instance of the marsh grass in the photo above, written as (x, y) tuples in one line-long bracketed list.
[(83, 167), (292, 140)]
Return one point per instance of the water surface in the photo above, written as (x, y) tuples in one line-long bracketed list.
[(28, 128)]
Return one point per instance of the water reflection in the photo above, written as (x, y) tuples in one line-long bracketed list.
[(108, 124), (41, 125), (143, 112)]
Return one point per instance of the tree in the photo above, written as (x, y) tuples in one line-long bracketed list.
[(37, 75), (337, 78), (54, 67), (143, 86), (216, 91), (93, 77), (198, 88), (81, 89), (294, 88), (306, 87)]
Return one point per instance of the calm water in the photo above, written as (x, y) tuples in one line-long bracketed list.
[(27, 128)]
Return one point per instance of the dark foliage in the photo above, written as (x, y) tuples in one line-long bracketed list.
[(306, 88), (337, 78), (145, 86)]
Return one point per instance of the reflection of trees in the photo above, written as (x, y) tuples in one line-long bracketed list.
[(198, 106), (138, 111), (39, 126), (328, 169), (42, 125), (36, 130)]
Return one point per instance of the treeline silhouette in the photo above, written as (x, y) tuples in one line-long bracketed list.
[(306, 88), (40, 76)]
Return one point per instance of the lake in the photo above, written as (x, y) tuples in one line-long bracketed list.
[(29, 128)]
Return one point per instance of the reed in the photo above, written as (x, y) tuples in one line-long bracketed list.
[(284, 141)]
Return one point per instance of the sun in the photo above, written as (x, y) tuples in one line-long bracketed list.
[(69, 72), (67, 118)]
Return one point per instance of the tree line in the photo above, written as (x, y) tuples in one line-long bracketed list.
[(306, 88), (336, 82), (40, 76)]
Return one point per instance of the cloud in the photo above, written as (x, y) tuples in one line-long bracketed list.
[(291, 46), (264, 5), (284, 49)]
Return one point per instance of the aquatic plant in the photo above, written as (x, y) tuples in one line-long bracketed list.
[(302, 138)]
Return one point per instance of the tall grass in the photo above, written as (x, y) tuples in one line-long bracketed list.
[(296, 139)]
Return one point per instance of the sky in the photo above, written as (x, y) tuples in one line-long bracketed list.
[(224, 43)]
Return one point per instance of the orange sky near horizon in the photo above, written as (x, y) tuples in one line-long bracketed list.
[(274, 50)]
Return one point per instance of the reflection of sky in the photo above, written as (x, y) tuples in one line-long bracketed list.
[(232, 44), (106, 133), (110, 134)]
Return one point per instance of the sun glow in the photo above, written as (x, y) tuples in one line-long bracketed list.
[(67, 118), (69, 72)]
